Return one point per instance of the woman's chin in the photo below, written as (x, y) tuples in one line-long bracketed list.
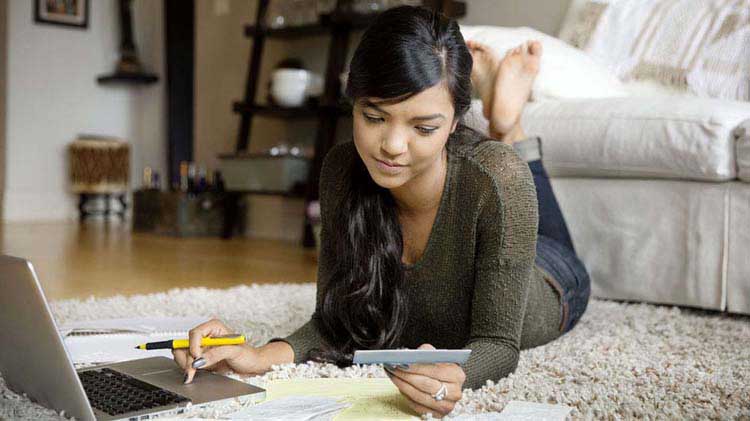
[(387, 181)]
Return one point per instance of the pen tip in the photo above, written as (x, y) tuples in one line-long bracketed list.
[(137, 347)]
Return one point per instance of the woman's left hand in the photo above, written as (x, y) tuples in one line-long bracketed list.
[(420, 382)]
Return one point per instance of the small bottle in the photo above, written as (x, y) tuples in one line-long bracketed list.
[(147, 178), (155, 181), (202, 184), (218, 182), (192, 180), (184, 176)]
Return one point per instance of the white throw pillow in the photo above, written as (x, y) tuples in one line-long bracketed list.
[(565, 72), (700, 46)]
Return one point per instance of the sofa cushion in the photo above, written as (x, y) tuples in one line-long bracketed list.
[(657, 137), (565, 72), (743, 150)]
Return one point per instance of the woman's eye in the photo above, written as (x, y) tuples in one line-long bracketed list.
[(373, 119), (426, 130)]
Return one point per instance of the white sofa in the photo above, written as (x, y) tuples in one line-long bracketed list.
[(655, 188)]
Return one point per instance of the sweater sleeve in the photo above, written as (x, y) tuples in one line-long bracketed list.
[(506, 247), (308, 336)]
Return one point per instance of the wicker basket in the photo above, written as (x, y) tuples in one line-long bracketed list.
[(99, 165)]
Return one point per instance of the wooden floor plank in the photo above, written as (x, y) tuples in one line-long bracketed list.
[(77, 261)]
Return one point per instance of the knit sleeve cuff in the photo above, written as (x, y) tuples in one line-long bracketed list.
[(302, 341)]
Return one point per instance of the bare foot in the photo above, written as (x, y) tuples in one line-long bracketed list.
[(483, 73), (512, 86)]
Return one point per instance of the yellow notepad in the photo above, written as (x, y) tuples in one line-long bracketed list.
[(371, 399)]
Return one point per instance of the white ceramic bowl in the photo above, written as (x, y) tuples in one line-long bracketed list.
[(289, 86)]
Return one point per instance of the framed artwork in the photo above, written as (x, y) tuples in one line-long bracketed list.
[(73, 13)]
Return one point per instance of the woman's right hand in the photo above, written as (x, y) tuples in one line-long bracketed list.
[(241, 359)]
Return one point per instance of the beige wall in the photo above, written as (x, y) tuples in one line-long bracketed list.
[(221, 61), (544, 15), (3, 53)]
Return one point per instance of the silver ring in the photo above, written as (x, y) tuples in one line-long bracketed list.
[(440, 394)]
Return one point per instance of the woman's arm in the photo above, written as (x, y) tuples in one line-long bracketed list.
[(506, 247)]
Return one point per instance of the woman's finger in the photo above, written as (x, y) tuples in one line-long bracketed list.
[(444, 372), (180, 358), (214, 355), (189, 370), (420, 409), (421, 397), (199, 332), (431, 385)]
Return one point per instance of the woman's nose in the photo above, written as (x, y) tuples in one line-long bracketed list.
[(395, 144)]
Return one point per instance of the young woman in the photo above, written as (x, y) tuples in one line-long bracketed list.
[(433, 235)]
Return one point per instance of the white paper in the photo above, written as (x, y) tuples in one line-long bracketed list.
[(527, 411), (292, 408), (114, 340), (521, 411), (132, 325)]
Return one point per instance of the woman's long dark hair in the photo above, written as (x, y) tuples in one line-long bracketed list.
[(405, 51)]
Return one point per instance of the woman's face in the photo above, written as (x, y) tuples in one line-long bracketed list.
[(409, 135)]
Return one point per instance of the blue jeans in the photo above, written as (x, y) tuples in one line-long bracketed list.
[(556, 255)]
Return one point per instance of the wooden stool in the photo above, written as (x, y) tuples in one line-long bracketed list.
[(99, 168)]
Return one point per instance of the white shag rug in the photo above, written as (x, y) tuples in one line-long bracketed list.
[(621, 360)]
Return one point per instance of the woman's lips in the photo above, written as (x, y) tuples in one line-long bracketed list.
[(389, 168)]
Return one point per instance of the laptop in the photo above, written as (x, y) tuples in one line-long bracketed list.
[(34, 361)]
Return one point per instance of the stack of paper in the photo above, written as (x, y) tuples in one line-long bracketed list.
[(293, 408), (144, 325), (368, 399), (113, 340)]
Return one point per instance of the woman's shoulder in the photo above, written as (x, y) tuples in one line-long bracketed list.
[(493, 164)]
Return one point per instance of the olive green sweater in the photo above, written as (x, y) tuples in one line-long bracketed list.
[(476, 285)]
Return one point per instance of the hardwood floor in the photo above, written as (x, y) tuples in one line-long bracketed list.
[(75, 261)]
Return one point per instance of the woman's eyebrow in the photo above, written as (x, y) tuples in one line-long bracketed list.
[(368, 104), (428, 117)]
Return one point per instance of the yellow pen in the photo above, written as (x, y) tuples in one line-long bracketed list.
[(231, 339)]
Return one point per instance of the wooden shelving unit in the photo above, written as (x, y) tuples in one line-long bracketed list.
[(330, 108)]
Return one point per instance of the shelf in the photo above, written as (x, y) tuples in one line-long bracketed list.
[(253, 31), (348, 20), (321, 28), (306, 111), (290, 194), (264, 155), (128, 78)]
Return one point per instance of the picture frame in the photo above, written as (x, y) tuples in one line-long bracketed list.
[(71, 13)]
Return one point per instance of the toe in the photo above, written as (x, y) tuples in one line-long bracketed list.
[(526, 48), (535, 48), (476, 45)]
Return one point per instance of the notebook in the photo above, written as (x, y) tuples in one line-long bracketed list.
[(113, 340)]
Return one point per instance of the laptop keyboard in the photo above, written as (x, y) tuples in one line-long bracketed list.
[(117, 393)]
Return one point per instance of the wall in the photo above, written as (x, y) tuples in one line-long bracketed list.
[(52, 96), (544, 15), (3, 51)]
